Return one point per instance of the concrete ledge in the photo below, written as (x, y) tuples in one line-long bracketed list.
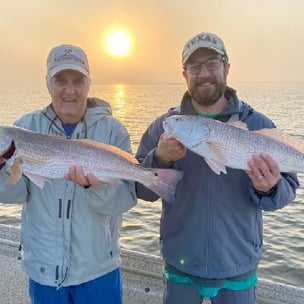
[(142, 275)]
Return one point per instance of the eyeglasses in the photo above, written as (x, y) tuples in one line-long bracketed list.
[(212, 64)]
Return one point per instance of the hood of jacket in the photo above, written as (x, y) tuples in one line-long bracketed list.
[(96, 109)]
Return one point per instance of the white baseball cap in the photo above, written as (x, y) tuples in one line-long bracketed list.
[(67, 57)]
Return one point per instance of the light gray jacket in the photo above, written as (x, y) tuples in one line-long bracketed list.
[(70, 234)]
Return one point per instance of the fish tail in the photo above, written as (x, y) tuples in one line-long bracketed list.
[(166, 183)]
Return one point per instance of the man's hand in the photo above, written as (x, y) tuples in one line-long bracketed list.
[(169, 149), (77, 176), (264, 172)]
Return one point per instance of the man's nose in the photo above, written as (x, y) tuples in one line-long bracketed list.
[(70, 88), (203, 69)]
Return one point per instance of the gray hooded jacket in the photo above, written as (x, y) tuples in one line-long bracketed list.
[(214, 229), (70, 234)]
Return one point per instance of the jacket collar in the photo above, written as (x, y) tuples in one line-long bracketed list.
[(96, 110)]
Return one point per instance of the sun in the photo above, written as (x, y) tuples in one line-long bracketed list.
[(118, 42)]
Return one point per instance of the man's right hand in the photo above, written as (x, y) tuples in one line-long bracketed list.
[(169, 149), (77, 176)]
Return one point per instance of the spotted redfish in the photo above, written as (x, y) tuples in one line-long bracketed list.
[(232, 145), (41, 157)]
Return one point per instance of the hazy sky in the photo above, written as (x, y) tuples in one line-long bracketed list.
[(264, 38)]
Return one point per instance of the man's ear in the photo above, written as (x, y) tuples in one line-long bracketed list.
[(227, 68)]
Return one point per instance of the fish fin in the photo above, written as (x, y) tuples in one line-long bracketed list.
[(166, 182), (216, 149), (58, 136), (283, 137), (216, 167), (36, 179), (110, 148), (238, 124), (16, 171)]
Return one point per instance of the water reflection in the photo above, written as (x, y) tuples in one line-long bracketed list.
[(119, 101)]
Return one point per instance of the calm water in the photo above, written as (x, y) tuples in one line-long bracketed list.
[(136, 106)]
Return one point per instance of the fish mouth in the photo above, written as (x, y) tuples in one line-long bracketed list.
[(167, 127)]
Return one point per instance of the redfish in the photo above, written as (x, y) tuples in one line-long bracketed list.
[(41, 157), (232, 145)]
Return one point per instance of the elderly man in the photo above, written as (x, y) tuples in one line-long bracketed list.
[(70, 228)]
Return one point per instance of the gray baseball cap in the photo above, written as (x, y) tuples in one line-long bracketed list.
[(203, 40)]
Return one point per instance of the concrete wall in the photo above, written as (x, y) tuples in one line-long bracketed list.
[(142, 278)]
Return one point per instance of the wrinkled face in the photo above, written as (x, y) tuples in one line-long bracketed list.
[(206, 76), (69, 90)]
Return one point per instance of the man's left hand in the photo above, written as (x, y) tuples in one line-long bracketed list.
[(264, 172)]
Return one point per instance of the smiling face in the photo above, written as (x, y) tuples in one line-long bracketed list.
[(206, 76), (69, 90)]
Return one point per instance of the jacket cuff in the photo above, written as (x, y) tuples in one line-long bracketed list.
[(267, 193)]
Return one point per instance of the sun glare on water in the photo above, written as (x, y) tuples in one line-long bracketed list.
[(118, 43)]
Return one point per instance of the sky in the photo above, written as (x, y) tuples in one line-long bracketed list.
[(263, 38)]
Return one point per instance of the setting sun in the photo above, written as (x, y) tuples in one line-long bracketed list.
[(118, 43)]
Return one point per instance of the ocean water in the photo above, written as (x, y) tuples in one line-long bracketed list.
[(138, 105)]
